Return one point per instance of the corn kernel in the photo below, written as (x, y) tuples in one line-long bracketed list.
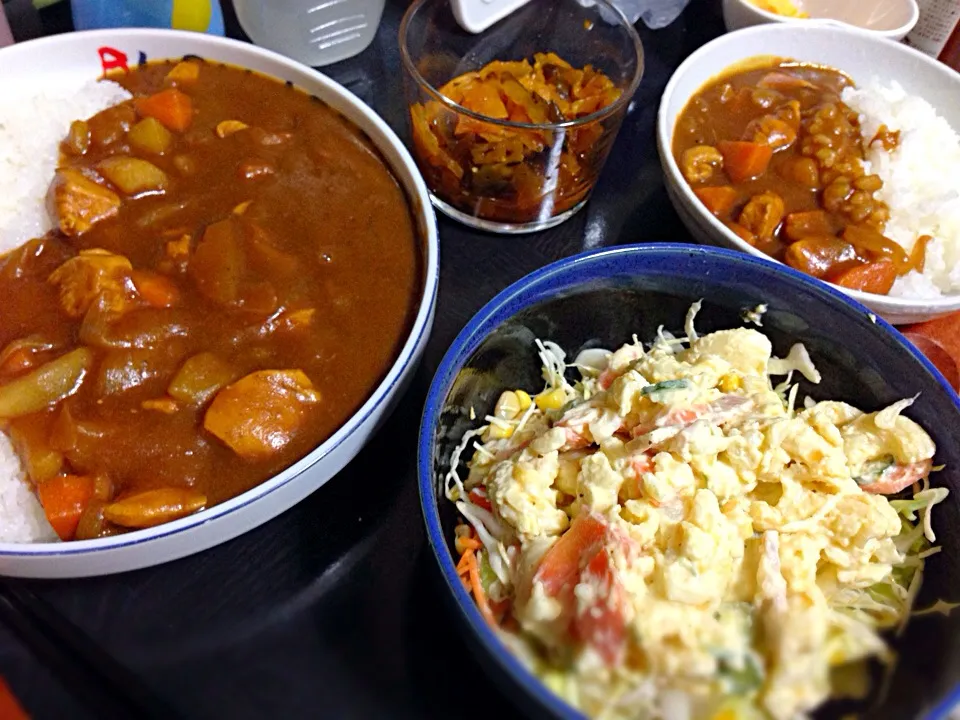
[(508, 406), (730, 382), (499, 432), (229, 127), (524, 399), (551, 399), (726, 714), (242, 207)]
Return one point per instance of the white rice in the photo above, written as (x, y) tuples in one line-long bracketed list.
[(921, 182), (32, 124), (21, 517)]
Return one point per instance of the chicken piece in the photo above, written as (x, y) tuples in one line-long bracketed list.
[(78, 202), (699, 162), (259, 414), (772, 131), (762, 214), (92, 273)]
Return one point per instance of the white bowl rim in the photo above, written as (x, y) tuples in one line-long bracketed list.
[(897, 32), (419, 205), (665, 126)]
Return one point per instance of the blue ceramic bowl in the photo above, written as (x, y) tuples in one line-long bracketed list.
[(601, 299)]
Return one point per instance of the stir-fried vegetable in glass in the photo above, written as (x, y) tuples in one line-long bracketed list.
[(508, 173)]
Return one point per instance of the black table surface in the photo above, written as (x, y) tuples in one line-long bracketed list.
[(335, 609)]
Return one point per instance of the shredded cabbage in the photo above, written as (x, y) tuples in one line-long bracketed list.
[(688, 326), (797, 359)]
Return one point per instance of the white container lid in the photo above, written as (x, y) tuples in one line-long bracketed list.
[(475, 16)]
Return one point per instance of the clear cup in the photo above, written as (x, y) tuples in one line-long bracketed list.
[(552, 176), (310, 31)]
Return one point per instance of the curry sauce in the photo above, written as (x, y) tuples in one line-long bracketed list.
[(778, 157), (234, 271)]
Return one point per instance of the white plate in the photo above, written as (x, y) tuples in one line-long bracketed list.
[(78, 55), (859, 54)]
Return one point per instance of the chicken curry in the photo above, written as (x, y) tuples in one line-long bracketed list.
[(776, 155), (233, 271)]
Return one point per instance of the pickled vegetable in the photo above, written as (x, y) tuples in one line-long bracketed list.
[(499, 171)]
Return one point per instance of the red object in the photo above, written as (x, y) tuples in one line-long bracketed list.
[(112, 59), (171, 107), (10, 708), (561, 565), (64, 499), (602, 623), (939, 340)]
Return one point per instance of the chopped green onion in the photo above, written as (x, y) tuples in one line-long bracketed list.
[(664, 385)]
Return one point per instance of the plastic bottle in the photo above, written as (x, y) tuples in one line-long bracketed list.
[(314, 32), (198, 15)]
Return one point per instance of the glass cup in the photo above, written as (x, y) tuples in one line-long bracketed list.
[(499, 173)]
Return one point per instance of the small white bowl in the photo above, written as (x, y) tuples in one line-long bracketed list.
[(859, 54), (891, 19), (78, 56)]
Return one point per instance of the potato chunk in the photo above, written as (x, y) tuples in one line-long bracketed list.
[(154, 507), (82, 279), (260, 413), (78, 202), (132, 175)]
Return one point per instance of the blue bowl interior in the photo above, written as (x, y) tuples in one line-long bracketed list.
[(602, 299)]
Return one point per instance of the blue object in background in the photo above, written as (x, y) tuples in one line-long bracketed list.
[(198, 15)]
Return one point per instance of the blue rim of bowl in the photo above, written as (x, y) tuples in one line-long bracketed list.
[(467, 342), (397, 373)]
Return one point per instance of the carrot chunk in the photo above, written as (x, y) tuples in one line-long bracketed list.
[(171, 107), (64, 499), (875, 277), (561, 564), (744, 160), (718, 199), (155, 289)]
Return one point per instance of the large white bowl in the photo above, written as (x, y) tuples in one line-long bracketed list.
[(862, 57), (77, 55)]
